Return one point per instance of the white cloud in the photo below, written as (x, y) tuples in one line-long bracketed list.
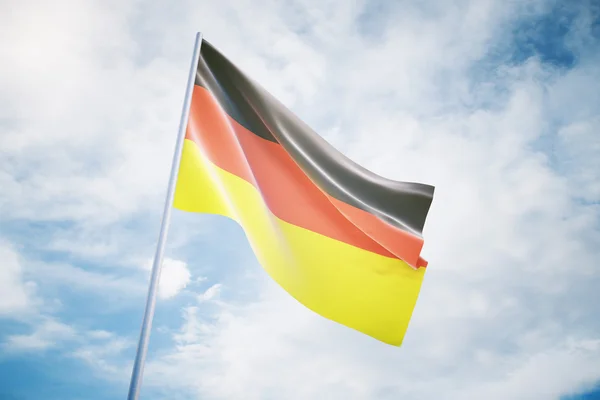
[(73, 156), (559, 370), (100, 356), (581, 157), (210, 293), (174, 277), (16, 295), (100, 334), (97, 348), (47, 333)]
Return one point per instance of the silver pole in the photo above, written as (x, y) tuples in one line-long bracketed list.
[(138, 366)]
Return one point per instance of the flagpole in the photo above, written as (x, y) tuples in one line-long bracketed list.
[(140, 359)]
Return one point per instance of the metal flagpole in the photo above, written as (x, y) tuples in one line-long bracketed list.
[(138, 366)]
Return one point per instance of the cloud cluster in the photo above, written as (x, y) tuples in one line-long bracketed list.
[(438, 92), (174, 277)]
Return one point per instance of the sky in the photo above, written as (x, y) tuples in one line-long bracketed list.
[(496, 103)]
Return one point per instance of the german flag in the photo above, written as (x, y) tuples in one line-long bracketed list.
[(343, 241)]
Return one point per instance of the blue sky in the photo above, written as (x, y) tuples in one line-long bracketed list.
[(496, 104)]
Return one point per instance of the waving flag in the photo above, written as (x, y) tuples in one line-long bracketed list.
[(343, 241)]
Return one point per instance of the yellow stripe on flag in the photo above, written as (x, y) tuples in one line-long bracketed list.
[(365, 291)]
